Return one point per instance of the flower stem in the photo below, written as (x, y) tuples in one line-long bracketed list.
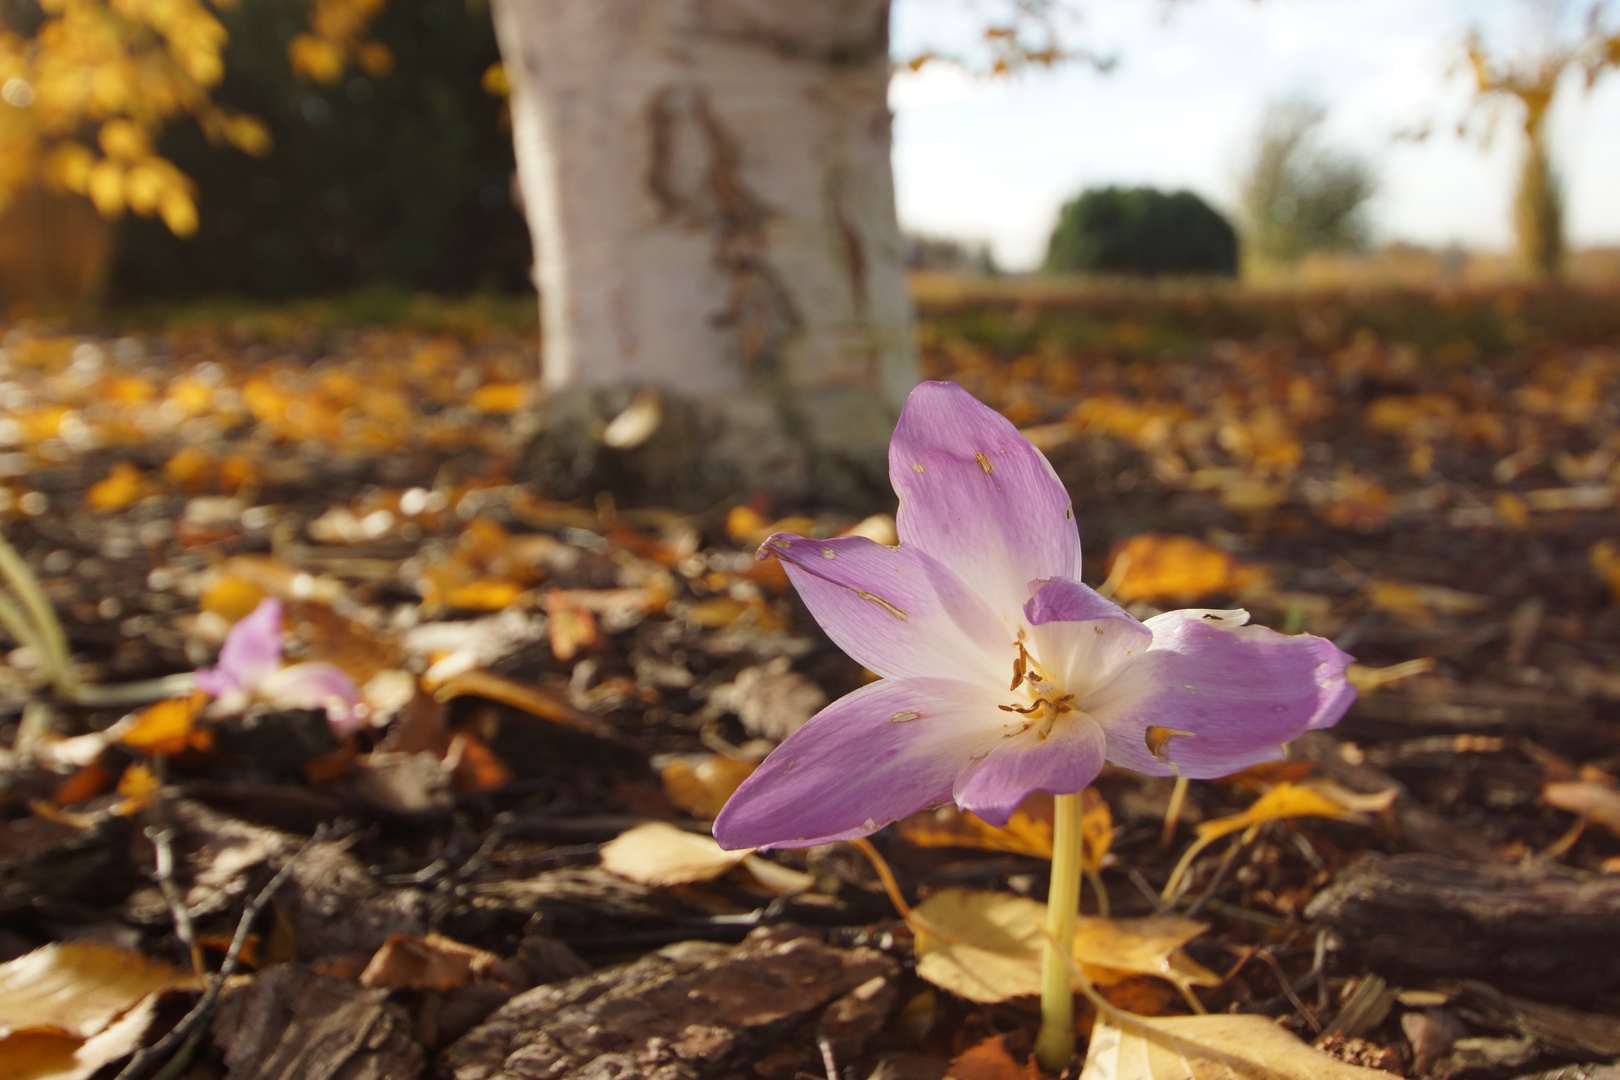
[(1055, 1043)]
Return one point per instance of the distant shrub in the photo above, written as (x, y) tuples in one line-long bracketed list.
[(1141, 231)]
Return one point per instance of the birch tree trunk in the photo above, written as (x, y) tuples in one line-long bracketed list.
[(708, 187)]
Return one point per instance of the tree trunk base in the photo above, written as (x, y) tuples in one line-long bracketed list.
[(651, 448)]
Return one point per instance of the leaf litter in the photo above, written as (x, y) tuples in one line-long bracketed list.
[(556, 684)]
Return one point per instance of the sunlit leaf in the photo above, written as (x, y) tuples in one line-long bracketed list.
[(1180, 569), (702, 789), (78, 987), (123, 487), (168, 727), (657, 853), (1229, 1047), (987, 946)]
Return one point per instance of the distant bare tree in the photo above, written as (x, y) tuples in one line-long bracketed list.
[(1299, 196)]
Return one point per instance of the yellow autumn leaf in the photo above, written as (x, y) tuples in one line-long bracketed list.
[(165, 727), (124, 486), (1286, 800), (987, 946), (375, 59), (1027, 832), (231, 597), (1242, 1047), (78, 987), (121, 138), (702, 789), (106, 187), (1605, 557), (1180, 569), (248, 134), (485, 594), (495, 81), (497, 398), (315, 58)]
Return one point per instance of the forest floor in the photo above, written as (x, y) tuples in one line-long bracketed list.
[(505, 872)]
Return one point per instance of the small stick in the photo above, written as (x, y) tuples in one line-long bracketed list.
[(146, 1060), (163, 871), (828, 1061)]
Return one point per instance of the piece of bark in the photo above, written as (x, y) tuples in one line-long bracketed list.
[(1563, 723), (292, 1024), (1416, 826), (336, 907), (1545, 932), (687, 1011)]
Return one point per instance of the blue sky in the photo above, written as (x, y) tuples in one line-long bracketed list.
[(993, 159)]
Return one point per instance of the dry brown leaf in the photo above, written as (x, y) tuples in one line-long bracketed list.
[(426, 962), (78, 988), (987, 1060), (569, 626), (987, 946), (1592, 799), (657, 853), (1218, 1046), (534, 700), (1027, 832), (702, 789)]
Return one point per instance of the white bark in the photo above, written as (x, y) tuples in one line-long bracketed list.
[(708, 186)]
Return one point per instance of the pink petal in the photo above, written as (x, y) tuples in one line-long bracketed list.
[(251, 651), (896, 611), (1069, 758), (871, 757), (978, 497), (1240, 692), (1080, 637), (313, 685)]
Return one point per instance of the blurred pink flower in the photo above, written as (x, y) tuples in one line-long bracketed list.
[(250, 670), (1001, 674)]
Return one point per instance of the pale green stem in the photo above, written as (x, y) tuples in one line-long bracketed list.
[(52, 641), (1055, 1043)]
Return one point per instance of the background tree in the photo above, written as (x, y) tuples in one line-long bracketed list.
[(1527, 84), (1117, 230), (709, 192), (1299, 196)]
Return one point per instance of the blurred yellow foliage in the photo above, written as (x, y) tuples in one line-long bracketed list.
[(108, 74)]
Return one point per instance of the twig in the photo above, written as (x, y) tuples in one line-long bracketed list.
[(1288, 988), (146, 1060), (828, 1061), (163, 872)]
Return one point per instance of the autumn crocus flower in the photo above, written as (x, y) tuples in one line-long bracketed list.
[(1001, 674), (250, 670)]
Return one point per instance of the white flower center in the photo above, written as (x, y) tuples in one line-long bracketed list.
[(1045, 701)]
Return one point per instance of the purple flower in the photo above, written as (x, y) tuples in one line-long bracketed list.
[(250, 670), (1001, 673)]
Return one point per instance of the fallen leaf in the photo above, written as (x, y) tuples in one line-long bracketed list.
[(426, 962), (168, 727), (657, 853), (1592, 799), (569, 626), (987, 1060), (1286, 800), (534, 700), (124, 486), (636, 424), (987, 946), (474, 766), (702, 789), (1605, 557), (138, 785), (1154, 566), (78, 988), (1242, 1047)]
